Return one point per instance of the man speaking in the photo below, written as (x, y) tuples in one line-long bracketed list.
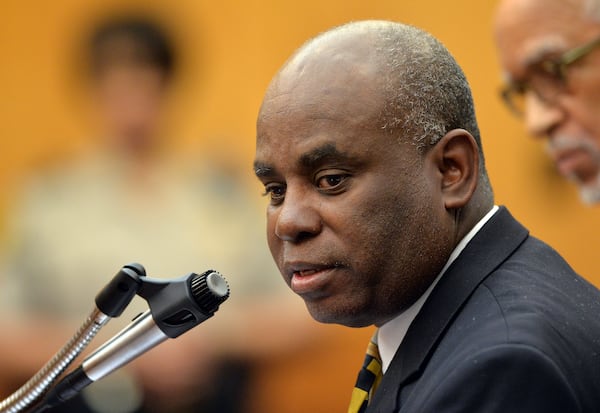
[(381, 213)]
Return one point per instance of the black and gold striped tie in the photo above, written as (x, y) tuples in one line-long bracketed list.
[(368, 379)]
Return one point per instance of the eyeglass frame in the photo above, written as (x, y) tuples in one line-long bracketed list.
[(555, 67)]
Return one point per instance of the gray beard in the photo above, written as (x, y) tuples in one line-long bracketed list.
[(590, 193)]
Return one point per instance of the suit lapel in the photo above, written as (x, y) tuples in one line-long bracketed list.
[(496, 240)]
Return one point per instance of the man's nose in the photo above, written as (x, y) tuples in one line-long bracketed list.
[(541, 116), (298, 217)]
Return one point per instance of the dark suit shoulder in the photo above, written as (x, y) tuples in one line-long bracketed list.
[(536, 290), (507, 351), (500, 378), (545, 305)]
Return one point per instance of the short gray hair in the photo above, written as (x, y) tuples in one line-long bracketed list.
[(427, 92)]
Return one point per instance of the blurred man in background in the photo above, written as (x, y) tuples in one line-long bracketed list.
[(550, 54), (131, 199)]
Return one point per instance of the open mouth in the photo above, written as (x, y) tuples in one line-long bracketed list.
[(304, 273), (307, 279)]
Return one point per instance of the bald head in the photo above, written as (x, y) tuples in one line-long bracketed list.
[(340, 64), (419, 88)]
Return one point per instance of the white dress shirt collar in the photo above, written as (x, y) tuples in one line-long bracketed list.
[(391, 334)]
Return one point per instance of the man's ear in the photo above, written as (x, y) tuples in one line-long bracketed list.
[(456, 157)]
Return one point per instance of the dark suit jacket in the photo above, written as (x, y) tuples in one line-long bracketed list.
[(509, 328)]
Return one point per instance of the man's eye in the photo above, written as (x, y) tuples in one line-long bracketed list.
[(331, 181), (275, 191)]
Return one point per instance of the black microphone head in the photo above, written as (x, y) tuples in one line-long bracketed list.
[(209, 290)]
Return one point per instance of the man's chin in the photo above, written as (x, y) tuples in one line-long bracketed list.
[(337, 315)]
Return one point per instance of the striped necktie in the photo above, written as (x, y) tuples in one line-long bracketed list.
[(368, 379)]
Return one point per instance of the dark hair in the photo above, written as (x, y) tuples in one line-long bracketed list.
[(131, 40)]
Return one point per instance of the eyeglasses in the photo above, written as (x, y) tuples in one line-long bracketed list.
[(547, 79)]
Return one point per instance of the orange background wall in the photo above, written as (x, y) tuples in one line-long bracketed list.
[(231, 49)]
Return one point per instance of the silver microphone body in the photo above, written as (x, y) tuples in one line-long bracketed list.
[(131, 342)]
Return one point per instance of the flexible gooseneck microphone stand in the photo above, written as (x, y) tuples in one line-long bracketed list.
[(176, 306)]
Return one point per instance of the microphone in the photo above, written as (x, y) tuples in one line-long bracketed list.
[(176, 306)]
